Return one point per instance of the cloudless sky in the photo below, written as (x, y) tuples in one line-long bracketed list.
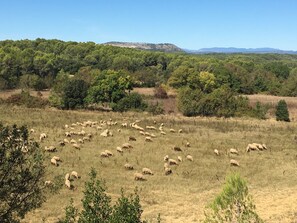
[(190, 24)]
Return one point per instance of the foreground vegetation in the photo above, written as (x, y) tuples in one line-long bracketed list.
[(183, 195)]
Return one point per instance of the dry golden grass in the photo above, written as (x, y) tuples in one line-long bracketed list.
[(7, 93), (182, 196)]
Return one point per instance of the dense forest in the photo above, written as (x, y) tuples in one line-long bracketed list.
[(84, 74)]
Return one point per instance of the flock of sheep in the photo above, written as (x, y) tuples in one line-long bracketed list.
[(148, 134)]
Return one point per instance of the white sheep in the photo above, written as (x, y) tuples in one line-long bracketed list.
[(104, 154), (67, 134), (251, 147), (72, 141), (128, 166), (32, 130), (54, 162), (179, 158), (147, 171), (166, 165), (139, 177), (119, 149), (172, 162), (172, 130), (68, 184), (47, 183), (81, 141), (66, 141), (74, 174), (188, 144), (189, 157), (42, 136), (67, 176), (216, 152), (234, 162), (50, 149), (108, 153), (166, 158), (148, 139), (163, 133), (233, 151), (76, 146), (57, 158), (127, 146), (168, 171), (142, 132), (180, 131)]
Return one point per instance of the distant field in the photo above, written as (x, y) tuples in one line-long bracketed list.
[(182, 196)]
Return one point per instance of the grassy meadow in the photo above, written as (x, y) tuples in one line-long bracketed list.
[(182, 196)]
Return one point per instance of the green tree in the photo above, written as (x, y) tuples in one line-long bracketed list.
[(21, 174), (96, 204), (75, 92), (282, 113), (233, 204), (28, 81)]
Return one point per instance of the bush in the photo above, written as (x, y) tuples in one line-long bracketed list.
[(133, 101), (74, 94), (260, 111), (155, 108), (22, 172), (160, 92), (24, 98), (233, 204), (97, 207), (282, 113)]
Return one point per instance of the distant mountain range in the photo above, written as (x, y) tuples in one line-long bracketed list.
[(171, 48), (240, 50), (163, 47)]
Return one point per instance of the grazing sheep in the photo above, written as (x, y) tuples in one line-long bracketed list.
[(104, 154), (168, 171), (153, 135), (166, 158), (106, 133), (67, 134), (139, 177), (216, 152), (189, 157), (54, 162), (142, 133), (163, 133), (66, 141), (32, 130), (50, 149), (151, 127), (74, 174), (127, 146), (234, 162), (68, 184), (147, 134), (61, 143), (42, 136), (124, 125), (264, 146), (108, 153), (67, 176), (66, 126), (128, 166), (85, 138), (89, 135), (81, 141), (161, 128), (132, 138), (172, 130), (179, 158), (251, 147), (57, 158), (188, 144), (99, 128), (172, 162), (147, 171), (166, 165), (119, 149), (233, 151), (72, 141), (47, 183), (180, 131), (177, 149), (148, 139), (76, 146)]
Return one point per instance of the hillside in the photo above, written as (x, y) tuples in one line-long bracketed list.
[(228, 50), (182, 196), (163, 47)]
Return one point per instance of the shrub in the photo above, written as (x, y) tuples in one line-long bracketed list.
[(282, 113), (97, 207), (133, 101), (155, 108), (22, 172), (233, 204), (74, 94), (160, 92), (24, 98)]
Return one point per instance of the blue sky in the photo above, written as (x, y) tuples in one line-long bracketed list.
[(191, 24)]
